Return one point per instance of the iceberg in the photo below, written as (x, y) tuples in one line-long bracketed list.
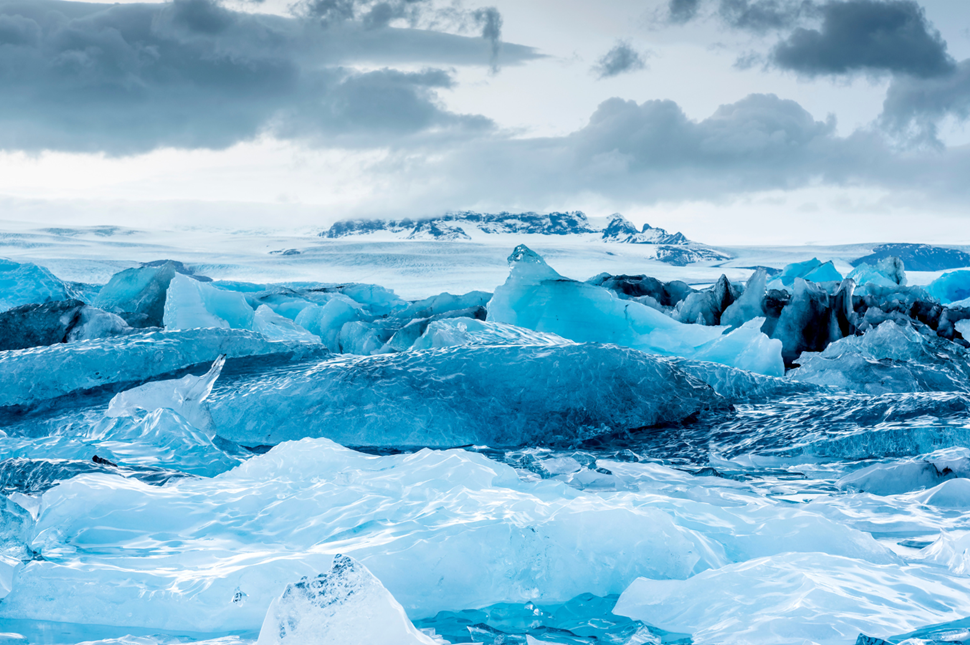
[(538, 298), (887, 273), (190, 304), (440, 530), (273, 326), (95, 323), (501, 395), (37, 325), (797, 598), (705, 307), (813, 318), (138, 295), (951, 287), (748, 305), (31, 376), (25, 284), (887, 358), (326, 321), (346, 606), (459, 332)]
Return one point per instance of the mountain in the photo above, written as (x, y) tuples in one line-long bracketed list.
[(919, 257), (672, 248)]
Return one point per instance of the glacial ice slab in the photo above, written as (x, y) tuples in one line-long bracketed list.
[(538, 298), (190, 304), (951, 287), (137, 295), (887, 358), (512, 395), (30, 376), (345, 606), (440, 529), (24, 284), (798, 598)]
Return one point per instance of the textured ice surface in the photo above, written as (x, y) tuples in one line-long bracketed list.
[(346, 605), (273, 326), (511, 395), (467, 331), (190, 304), (24, 284), (33, 375), (888, 358), (798, 598), (538, 298), (951, 286), (138, 295)]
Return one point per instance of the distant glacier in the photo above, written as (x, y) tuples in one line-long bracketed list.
[(672, 248)]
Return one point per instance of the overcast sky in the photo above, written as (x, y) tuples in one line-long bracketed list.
[(734, 121)]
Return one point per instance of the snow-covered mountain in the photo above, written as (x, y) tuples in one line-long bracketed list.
[(673, 248)]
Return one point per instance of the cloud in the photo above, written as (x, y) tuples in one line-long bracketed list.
[(128, 78), (914, 106), (764, 15), (490, 21), (620, 59), (682, 11), (866, 36)]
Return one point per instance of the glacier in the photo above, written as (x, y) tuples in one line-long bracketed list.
[(780, 456)]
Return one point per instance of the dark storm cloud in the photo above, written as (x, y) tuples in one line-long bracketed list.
[(621, 58), (868, 36), (130, 78)]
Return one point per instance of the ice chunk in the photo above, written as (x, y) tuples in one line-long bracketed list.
[(813, 319), (377, 300), (797, 598), (888, 273), (405, 337), (440, 530), (824, 273), (326, 321), (467, 331), (362, 338), (511, 395), (24, 284), (190, 304), (184, 395), (705, 307), (95, 323), (949, 550), (444, 303), (748, 306), (951, 286), (906, 475), (641, 287), (138, 295), (538, 298), (347, 606), (963, 326), (37, 325), (273, 326), (32, 375), (888, 358)]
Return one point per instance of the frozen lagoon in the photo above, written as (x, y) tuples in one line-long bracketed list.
[(698, 503)]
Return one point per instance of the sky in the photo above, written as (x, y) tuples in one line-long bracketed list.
[(738, 122)]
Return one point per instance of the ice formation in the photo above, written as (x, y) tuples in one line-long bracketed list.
[(33, 375), (538, 298), (951, 287), (347, 605), (633, 462), (26, 284), (496, 395)]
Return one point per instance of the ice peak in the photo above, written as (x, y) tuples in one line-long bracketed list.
[(524, 263)]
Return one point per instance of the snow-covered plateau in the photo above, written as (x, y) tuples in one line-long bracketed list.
[(480, 429)]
